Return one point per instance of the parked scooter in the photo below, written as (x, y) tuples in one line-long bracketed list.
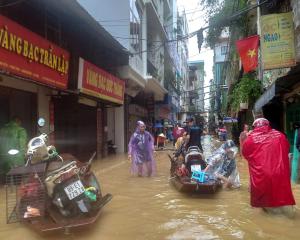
[(111, 147), (53, 191)]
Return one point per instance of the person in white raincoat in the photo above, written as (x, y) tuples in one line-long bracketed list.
[(222, 165)]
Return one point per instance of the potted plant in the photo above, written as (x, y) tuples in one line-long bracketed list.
[(248, 89), (244, 105)]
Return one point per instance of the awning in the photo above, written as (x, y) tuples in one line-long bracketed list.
[(154, 86), (283, 84), (134, 80), (266, 97)]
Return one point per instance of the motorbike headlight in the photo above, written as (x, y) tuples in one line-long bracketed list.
[(37, 142)]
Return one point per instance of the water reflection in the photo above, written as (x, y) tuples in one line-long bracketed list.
[(149, 208)]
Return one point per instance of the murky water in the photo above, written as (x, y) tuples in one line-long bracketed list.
[(149, 208)]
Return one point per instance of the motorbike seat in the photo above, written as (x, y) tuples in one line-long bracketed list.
[(195, 158), (56, 167)]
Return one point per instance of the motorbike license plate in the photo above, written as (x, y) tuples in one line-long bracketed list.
[(74, 189)]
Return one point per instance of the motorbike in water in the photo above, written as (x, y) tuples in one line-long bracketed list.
[(53, 191), (190, 178)]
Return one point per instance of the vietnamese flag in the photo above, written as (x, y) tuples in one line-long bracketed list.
[(248, 50)]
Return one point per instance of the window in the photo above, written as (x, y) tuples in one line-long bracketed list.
[(224, 50), (135, 26)]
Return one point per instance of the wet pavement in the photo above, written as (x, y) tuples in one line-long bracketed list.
[(149, 208)]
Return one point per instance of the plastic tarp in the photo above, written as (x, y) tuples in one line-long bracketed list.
[(216, 161), (295, 160), (266, 151)]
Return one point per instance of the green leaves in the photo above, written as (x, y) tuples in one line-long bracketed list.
[(247, 89), (219, 17)]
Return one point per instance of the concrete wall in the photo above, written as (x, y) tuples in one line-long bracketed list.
[(156, 53), (111, 124), (43, 107), (219, 57), (42, 96), (119, 129), (113, 15)]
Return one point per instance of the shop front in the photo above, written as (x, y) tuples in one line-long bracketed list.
[(31, 67), (136, 113), (86, 121), (104, 93)]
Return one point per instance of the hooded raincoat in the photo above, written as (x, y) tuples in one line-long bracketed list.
[(141, 147), (266, 151)]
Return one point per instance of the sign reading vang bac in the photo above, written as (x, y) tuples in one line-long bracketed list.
[(26, 54), (96, 82)]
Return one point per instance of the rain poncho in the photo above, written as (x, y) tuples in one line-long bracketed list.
[(195, 133), (266, 151), (12, 136), (141, 147), (221, 164)]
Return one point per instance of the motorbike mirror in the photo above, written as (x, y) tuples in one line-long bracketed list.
[(13, 152), (41, 122)]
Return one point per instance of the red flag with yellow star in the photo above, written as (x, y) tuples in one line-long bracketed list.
[(248, 50)]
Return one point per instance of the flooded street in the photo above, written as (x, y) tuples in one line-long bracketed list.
[(149, 208)]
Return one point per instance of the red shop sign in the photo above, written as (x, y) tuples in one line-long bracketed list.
[(28, 55), (96, 82)]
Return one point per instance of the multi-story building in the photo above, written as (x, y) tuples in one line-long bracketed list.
[(220, 59), (128, 24), (193, 96), (147, 30), (182, 46), (68, 77)]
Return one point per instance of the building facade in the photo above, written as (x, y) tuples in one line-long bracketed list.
[(221, 51), (194, 91), (67, 77), (147, 30)]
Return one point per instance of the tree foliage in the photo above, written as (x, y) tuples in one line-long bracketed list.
[(220, 14), (247, 89)]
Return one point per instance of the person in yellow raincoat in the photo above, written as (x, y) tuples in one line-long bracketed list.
[(12, 136)]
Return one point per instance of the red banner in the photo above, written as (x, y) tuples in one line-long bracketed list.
[(248, 50), (28, 55), (96, 82)]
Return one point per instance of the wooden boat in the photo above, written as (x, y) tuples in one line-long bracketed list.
[(186, 185)]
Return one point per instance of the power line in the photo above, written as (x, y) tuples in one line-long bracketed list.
[(12, 3), (226, 19)]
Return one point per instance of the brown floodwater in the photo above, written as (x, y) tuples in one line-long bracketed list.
[(149, 208)]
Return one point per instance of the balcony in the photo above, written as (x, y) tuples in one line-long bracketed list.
[(152, 70), (167, 7), (192, 108), (155, 17)]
